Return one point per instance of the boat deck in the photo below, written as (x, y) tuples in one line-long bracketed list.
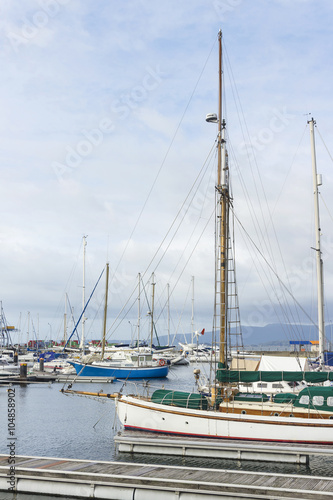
[(71, 478)]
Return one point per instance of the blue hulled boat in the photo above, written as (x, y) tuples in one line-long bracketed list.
[(105, 369)]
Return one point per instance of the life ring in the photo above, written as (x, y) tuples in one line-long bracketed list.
[(161, 362)]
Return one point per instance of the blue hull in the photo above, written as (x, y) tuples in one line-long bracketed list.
[(120, 372)]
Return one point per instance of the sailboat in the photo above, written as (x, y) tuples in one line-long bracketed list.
[(306, 417), (133, 364)]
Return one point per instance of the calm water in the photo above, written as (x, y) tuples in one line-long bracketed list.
[(51, 424)]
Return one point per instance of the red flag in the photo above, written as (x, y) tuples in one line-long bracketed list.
[(202, 331)]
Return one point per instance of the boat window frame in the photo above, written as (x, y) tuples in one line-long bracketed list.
[(318, 400), (304, 399)]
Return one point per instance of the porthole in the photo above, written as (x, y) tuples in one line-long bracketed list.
[(276, 414), (291, 415), (243, 412), (163, 418), (330, 417), (186, 422)]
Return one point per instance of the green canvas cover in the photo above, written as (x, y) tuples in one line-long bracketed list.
[(180, 399), (284, 397), (236, 376), (320, 398)]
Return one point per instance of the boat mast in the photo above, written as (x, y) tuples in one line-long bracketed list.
[(83, 294), (65, 320), (192, 317), (222, 223), (168, 328), (319, 260), (152, 310), (223, 191), (139, 310), (105, 309)]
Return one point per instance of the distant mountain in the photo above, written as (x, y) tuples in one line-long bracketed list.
[(275, 334)]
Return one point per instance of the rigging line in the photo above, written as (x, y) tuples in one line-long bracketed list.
[(187, 245), (195, 226), (202, 172), (82, 313), (72, 314), (159, 247), (70, 277), (190, 256), (164, 159), (270, 222), (244, 134), (287, 305), (329, 154), (180, 223), (322, 199), (193, 249), (274, 272), (241, 113), (276, 296), (181, 314)]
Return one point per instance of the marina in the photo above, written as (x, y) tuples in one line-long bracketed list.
[(119, 400), (49, 423)]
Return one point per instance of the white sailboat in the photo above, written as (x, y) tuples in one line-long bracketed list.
[(303, 418)]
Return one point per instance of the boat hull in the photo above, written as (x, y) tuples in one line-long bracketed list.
[(137, 372), (138, 414)]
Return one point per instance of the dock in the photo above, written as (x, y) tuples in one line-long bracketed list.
[(71, 478), (162, 444)]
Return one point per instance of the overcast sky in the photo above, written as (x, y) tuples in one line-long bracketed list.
[(103, 134)]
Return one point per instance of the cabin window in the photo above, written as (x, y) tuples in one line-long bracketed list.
[(318, 400), (304, 400), (263, 386), (277, 386), (329, 401)]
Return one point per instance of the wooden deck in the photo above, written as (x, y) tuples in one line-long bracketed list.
[(132, 481)]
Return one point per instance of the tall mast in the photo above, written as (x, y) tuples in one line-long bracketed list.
[(139, 309), (152, 310), (168, 327), (223, 191), (222, 221), (319, 260), (105, 309), (192, 318), (83, 294), (65, 320), (28, 333)]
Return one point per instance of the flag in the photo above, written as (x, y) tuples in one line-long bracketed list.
[(202, 331)]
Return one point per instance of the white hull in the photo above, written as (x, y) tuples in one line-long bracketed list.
[(135, 413)]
